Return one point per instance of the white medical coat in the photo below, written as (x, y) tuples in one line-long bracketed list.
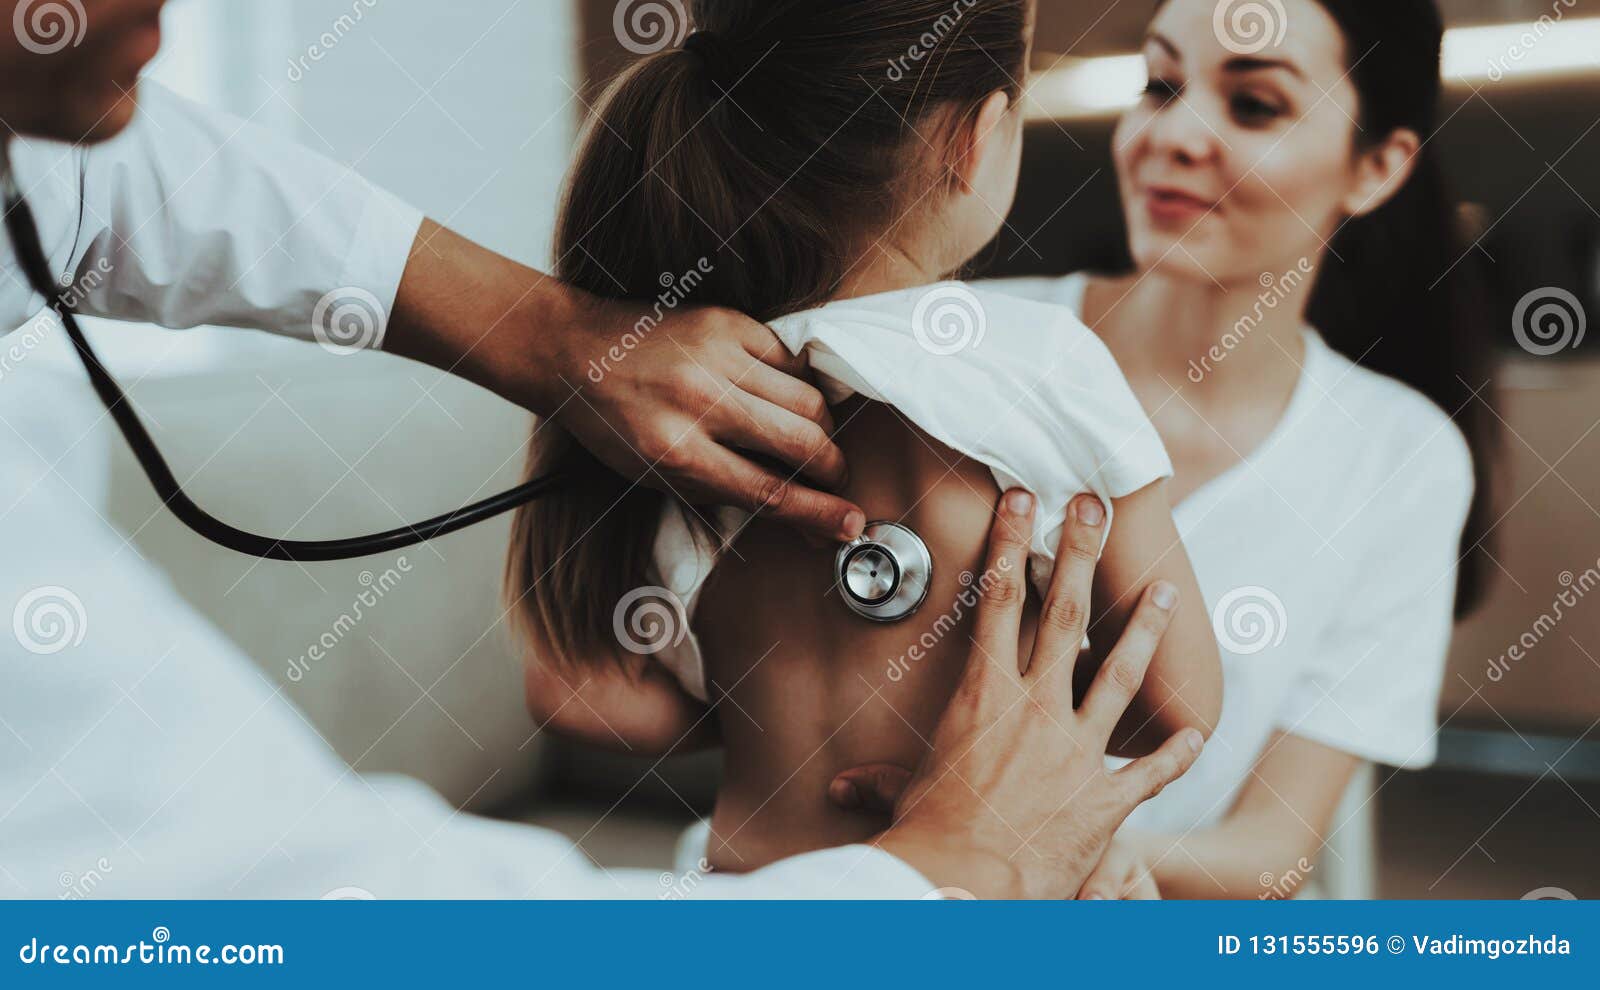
[(137, 744)]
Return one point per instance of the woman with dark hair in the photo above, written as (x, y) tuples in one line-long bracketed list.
[(1305, 338)]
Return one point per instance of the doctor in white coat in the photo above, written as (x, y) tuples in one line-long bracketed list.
[(138, 744)]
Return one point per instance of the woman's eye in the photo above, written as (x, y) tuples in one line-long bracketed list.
[(1254, 111), (1161, 91)]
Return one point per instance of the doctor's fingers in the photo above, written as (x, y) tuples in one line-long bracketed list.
[(762, 343), (1119, 679), (800, 445), (784, 389), (1149, 775), (876, 787), (1121, 876), (1065, 615), (1004, 588), (724, 477)]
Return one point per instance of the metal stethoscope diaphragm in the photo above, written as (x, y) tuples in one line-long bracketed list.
[(884, 574)]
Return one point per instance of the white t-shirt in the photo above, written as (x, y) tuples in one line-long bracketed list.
[(1021, 387), (1328, 563)]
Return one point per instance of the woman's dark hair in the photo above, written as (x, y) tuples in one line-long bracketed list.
[(1408, 298), (750, 169)]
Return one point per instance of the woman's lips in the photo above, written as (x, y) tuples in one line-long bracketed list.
[(1174, 206)]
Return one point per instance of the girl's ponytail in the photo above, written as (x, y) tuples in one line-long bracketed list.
[(750, 169)]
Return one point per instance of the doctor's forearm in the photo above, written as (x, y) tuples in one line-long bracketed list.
[(464, 309), (682, 409)]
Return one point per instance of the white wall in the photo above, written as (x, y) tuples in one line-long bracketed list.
[(459, 107)]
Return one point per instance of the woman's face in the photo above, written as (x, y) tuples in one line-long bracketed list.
[(1234, 165)]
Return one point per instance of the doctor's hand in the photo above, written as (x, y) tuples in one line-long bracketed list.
[(708, 405), (1123, 875), (704, 403), (1014, 799)]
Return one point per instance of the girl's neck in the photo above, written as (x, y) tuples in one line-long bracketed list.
[(888, 267), (1202, 333)]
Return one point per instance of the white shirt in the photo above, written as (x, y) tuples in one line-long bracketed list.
[(136, 742), (193, 217), (1328, 563), (1021, 387)]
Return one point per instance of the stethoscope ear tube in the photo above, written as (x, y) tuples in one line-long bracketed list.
[(25, 241)]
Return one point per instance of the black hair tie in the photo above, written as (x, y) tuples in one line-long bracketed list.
[(726, 68)]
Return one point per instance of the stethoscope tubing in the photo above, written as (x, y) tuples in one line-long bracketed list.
[(25, 241), (901, 546)]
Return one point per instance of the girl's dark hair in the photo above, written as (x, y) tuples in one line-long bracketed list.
[(750, 170), (1408, 298)]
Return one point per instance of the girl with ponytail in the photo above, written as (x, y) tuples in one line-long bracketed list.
[(824, 165)]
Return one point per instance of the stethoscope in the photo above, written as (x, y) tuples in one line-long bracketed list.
[(884, 574)]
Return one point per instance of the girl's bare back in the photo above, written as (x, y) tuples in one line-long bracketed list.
[(806, 688)]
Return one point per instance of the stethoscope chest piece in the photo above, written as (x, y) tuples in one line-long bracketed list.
[(885, 573)]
